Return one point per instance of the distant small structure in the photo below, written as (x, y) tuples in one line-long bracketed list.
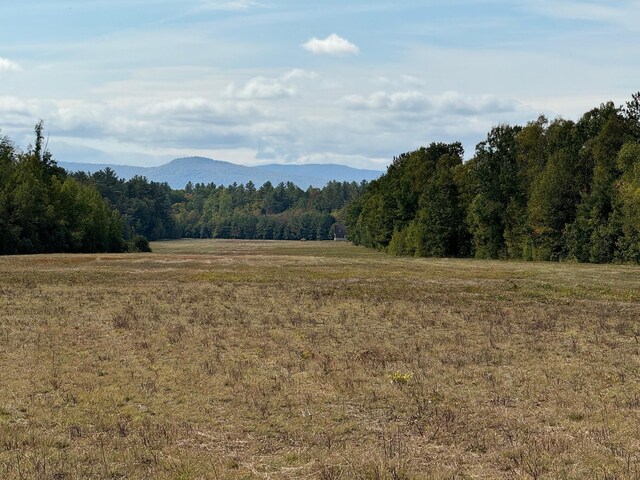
[(339, 233)]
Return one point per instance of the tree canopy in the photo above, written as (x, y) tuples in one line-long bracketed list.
[(546, 191), (282, 212), (42, 209)]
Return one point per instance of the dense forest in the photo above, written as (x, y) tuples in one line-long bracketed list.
[(44, 210), (546, 191), (281, 212)]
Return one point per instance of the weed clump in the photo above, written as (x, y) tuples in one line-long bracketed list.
[(400, 378)]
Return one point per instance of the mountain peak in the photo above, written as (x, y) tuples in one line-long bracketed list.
[(192, 161)]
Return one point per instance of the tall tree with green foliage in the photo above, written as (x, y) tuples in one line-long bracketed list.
[(627, 201), (546, 191), (495, 169), (593, 235)]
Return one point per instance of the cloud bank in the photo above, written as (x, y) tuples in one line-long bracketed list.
[(223, 78)]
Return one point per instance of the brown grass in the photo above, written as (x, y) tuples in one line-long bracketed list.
[(234, 359)]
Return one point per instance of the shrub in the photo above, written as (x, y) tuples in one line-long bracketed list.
[(139, 244)]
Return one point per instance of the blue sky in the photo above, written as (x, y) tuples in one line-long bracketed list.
[(253, 82)]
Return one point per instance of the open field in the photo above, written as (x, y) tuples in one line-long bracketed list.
[(238, 359)]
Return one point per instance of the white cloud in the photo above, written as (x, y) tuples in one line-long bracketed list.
[(197, 109), (7, 65), (13, 105), (263, 88), (181, 122), (332, 45), (412, 101), (260, 88), (459, 104), (297, 73), (398, 101), (270, 129)]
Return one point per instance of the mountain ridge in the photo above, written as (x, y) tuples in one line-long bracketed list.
[(180, 171)]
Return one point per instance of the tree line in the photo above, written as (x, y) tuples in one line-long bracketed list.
[(549, 190), (281, 212)]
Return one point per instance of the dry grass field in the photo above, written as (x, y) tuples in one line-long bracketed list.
[(270, 360)]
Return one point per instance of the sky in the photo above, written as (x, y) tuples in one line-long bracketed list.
[(253, 82)]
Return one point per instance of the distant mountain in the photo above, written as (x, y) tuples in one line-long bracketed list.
[(181, 171)]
